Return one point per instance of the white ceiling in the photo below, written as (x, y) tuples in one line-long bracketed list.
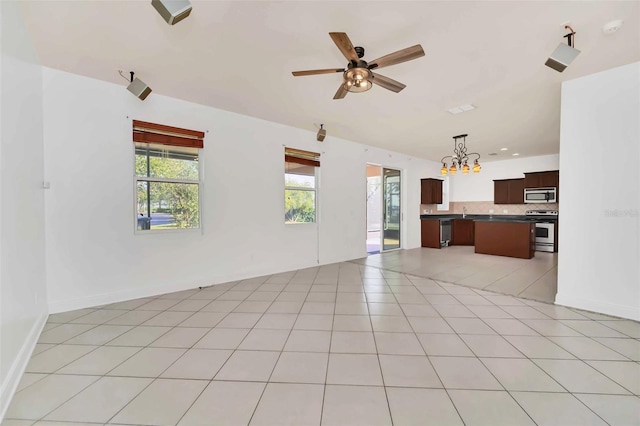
[(238, 56)]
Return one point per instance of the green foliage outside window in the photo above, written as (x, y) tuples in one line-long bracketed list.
[(299, 205), (174, 204)]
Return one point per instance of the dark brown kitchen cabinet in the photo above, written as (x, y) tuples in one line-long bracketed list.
[(430, 233), (431, 191), (508, 191), (542, 179), (462, 232), (550, 179)]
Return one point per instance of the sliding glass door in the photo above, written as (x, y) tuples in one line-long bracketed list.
[(392, 215)]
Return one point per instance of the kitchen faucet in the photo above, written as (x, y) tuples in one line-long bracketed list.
[(464, 212)]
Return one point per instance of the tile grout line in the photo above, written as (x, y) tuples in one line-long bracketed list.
[(454, 295), (153, 379), (384, 387), (477, 357), (326, 373), (158, 377), (429, 359), (105, 375), (264, 389)]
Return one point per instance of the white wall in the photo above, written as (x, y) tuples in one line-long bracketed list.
[(23, 308), (599, 227), (479, 187), (93, 256)]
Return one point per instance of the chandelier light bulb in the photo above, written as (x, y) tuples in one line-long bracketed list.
[(476, 167)]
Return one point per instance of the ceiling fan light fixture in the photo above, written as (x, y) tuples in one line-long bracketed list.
[(357, 80)]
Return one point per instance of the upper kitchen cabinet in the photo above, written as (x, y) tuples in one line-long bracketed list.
[(508, 191), (542, 179), (431, 191), (550, 179)]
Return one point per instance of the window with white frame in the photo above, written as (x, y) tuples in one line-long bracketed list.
[(167, 177), (445, 195), (300, 185)]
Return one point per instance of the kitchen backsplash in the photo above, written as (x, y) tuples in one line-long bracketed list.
[(484, 207)]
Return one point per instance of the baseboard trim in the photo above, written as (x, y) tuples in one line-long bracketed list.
[(151, 291), (8, 388), (598, 306)]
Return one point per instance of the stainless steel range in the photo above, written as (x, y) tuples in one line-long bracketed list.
[(545, 228)]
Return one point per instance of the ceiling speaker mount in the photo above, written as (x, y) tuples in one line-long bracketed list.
[(136, 86), (322, 133), (564, 54), (172, 11)]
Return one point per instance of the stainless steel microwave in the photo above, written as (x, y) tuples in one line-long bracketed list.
[(540, 195)]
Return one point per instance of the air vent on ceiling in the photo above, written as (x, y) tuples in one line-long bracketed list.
[(461, 109)]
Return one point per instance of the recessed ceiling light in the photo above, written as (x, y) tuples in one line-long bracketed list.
[(461, 108), (504, 149), (515, 154), (612, 27)]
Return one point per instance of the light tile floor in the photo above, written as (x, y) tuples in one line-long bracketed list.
[(535, 278), (342, 344)]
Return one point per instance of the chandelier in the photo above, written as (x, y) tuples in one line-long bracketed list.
[(460, 157)]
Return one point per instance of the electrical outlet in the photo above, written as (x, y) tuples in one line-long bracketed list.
[(490, 211), (505, 211)]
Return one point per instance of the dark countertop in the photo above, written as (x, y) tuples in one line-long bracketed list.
[(500, 219), (487, 217)]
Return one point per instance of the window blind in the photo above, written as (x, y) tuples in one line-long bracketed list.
[(298, 156), (146, 132)]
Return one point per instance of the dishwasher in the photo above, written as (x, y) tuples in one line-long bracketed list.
[(445, 232)]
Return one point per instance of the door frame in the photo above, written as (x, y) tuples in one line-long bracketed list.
[(401, 232), (401, 202)]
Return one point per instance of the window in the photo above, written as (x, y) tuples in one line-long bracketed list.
[(167, 176), (300, 185), (445, 195)]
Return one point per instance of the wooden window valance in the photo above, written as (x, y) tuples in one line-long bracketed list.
[(298, 156), (166, 135)]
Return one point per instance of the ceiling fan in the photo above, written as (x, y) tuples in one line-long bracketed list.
[(358, 75)]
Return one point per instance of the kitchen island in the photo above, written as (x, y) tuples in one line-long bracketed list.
[(505, 238), (512, 236)]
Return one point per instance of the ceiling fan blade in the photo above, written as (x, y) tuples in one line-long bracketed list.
[(341, 93), (344, 44), (314, 72), (403, 55), (387, 83)]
